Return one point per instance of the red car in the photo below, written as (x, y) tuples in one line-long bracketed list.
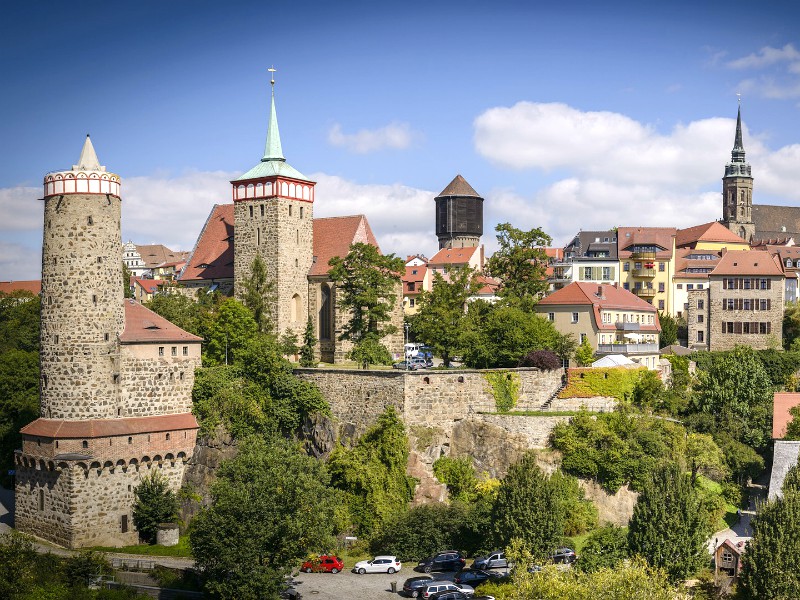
[(323, 564)]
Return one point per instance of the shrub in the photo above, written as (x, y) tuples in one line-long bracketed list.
[(505, 389), (603, 548), (541, 359), (459, 476), (616, 382), (155, 503), (422, 531)]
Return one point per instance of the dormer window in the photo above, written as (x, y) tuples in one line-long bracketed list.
[(203, 266)]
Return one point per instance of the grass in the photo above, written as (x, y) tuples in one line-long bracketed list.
[(182, 549)]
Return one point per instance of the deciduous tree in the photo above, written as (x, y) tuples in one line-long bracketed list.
[(703, 454), (270, 507), (520, 264), (584, 355), (604, 548), (154, 503), (442, 311)]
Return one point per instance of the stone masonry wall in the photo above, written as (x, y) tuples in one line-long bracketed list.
[(281, 231), (727, 341), (82, 311), (427, 398), (156, 384)]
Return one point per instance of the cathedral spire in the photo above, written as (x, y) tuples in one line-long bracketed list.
[(737, 154), (273, 150)]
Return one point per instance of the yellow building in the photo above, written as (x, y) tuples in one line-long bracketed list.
[(647, 265)]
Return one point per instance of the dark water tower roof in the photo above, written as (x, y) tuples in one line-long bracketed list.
[(459, 187)]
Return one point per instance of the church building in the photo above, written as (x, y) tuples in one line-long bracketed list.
[(272, 216)]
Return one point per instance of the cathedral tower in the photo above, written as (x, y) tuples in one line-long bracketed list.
[(273, 217), (116, 379), (737, 189), (459, 215)]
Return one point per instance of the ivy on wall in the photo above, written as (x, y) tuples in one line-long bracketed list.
[(505, 389), (616, 382)]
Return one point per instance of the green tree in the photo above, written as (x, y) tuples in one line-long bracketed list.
[(442, 311), (703, 454), (372, 474), (793, 426), (19, 321), (669, 526), (17, 565), (369, 351), (459, 476), (791, 325), (177, 309), (154, 503), (422, 531), (127, 289), (741, 460), (499, 336), (736, 391), (289, 343), (307, 356), (604, 548), (367, 288), (649, 390), (520, 264), (228, 333), (770, 563), (584, 355), (528, 508), (580, 514), (259, 294), (270, 507), (669, 329)]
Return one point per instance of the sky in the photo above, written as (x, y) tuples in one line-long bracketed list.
[(565, 116)]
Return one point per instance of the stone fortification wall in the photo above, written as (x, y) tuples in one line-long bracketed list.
[(427, 398), (74, 505), (82, 312), (154, 382), (593, 404)]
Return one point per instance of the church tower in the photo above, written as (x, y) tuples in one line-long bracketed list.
[(273, 219), (116, 379), (737, 189), (459, 215)]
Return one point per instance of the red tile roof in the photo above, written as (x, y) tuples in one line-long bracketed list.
[(707, 232), (781, 403), (682, 263), (453, 256), (417, 279), (142, 325), (748, 262), (645, 236), (34, 286), (333, 237), (214, 248), (94, 428), (150, 286)]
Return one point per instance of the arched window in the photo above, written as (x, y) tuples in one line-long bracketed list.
[(295, 311), (325, 330)]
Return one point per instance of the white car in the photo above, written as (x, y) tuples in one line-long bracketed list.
[(439, 587), (379, 564)]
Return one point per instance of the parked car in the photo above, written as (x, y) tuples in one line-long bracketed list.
[(450, 595), (405, 365), (449, 560), (438, 587), (323, 564), (379, 564), (564, 556), (475, 576), (496, 560), (414, 586), (420, 362)]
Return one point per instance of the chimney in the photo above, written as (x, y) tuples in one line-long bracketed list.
[(600, 292)]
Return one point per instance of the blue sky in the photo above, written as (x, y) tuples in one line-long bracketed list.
[(565, 116)]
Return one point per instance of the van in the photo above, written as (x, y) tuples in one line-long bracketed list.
[(411, 350)]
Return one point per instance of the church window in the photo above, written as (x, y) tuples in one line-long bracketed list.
[(295, 308), (325, 313)]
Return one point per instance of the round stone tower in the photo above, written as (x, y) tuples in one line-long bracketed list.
[(459, 215), (82, 295)]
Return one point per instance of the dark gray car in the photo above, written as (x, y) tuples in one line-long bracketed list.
[(496, 560)]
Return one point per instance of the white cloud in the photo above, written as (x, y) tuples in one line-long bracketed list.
[(20, 230), (766, 57), (398, 136)]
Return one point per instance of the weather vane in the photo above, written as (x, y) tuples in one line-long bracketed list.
[(272, 77), (739, 97)]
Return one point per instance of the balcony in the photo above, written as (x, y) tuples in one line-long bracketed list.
[(644, 272), (645, 292), (643, 255), (627, 349), (626, 326)]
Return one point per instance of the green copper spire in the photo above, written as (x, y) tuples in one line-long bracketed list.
[(273, 150)]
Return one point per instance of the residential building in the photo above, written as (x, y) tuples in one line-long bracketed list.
[(647, 266), (145, 289), (592, 256), (697, 251), (789, 257), (742, 305), (614, 320), (142, 259), (558, 272), (417, 278), (448, 258)]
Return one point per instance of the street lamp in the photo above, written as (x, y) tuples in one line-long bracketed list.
[(406, 326)]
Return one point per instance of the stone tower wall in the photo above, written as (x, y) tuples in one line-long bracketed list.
[(281, 230), (82, 312), (737, 205), (157, 379)]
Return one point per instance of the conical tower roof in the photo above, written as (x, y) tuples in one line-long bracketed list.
[(737, 154), (273, 163), (459, 187), (88, 160)]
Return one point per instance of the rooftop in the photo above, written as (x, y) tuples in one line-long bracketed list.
[(744, 262), (142, 325)]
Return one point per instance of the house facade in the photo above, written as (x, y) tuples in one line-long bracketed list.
[(646, 262)]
